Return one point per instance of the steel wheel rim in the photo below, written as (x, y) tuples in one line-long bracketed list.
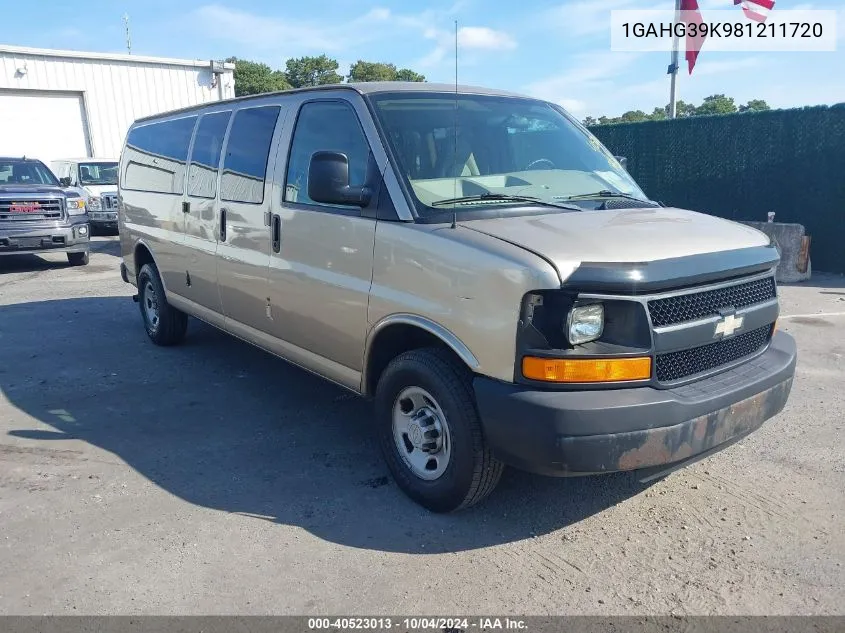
[(151, 305), (421, 433)]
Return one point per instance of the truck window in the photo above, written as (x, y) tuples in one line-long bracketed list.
[(157, 154), (325, 126), (205, 156), (245, 164)]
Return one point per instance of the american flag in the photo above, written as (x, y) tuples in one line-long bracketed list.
[(757, 10)]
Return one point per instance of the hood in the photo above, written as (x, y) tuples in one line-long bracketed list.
[(30, 189), (627, 236), (99, 190)]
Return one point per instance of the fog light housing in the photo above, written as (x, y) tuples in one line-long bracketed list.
[(585, 323)]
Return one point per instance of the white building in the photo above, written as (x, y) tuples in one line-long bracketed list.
[(59, 104)]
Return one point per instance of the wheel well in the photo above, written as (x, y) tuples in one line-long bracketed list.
[(394, 340), (142, 256)]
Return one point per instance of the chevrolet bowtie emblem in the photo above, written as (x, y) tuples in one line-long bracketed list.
[(728, 325)]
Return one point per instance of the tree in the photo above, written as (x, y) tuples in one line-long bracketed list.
[(634, 116), (372, 71), (590, 121), (755, 105), (406, 74), (659, 114), (379, 71), (312, 71), (716, 104), (253, 78)]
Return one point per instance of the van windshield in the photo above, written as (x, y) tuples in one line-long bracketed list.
[(98, 173), (494, 147)]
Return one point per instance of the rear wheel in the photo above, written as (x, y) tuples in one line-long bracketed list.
[(430, 433), (165, 324), (78, 259)]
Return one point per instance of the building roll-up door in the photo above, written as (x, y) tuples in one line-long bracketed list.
[(43, 125)]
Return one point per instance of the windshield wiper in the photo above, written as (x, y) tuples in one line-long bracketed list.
[(503, 197), (605, 193)]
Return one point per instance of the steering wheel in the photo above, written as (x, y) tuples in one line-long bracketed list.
[(541, 161)]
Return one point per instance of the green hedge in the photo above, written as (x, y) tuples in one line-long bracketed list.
[(741, 166)]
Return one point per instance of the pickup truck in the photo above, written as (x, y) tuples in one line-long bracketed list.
[(37, 215)]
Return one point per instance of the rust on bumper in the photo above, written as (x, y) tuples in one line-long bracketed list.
[(667, 445)]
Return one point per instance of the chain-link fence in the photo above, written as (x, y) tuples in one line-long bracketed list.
[(742, 166)]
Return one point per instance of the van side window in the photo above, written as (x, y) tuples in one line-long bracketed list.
[(205, 155), (157, 154), (247, 150), (325, 126)]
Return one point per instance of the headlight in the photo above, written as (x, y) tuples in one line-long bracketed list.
[(95, 203), (75, 206), (585, 323)]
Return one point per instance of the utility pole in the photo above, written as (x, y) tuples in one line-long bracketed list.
[(128, 39), (673, 66)]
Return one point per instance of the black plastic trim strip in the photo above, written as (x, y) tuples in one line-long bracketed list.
[(668, 274)]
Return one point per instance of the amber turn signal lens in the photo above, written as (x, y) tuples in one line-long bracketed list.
[(586, 370)]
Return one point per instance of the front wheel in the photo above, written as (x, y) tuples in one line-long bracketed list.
[(430, 433), (165, 324)]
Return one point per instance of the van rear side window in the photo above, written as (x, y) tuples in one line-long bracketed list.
[(205, 155), (157, 155), (247, 151)]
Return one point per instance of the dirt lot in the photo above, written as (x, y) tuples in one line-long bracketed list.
[(212, 478)]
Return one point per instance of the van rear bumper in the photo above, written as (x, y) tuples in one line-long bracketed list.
[(565, 433)]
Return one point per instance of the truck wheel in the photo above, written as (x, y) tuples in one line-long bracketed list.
[(165, 324), (430, 433), (78, 259)]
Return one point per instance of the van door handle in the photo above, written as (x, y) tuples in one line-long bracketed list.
[(186, 206), (277, 233), (222, 225)]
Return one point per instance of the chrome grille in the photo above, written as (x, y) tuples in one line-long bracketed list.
[(109, 202), (21, 209), (688, 362), (698, 305)]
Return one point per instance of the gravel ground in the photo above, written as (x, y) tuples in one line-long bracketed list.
[(212, 478)]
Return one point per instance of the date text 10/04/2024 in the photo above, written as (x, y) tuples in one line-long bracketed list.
[(444, 625)]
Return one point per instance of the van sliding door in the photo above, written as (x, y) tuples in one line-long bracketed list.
[(243, 236)]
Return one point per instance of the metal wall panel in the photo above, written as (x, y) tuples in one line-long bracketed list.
[(117, 89)]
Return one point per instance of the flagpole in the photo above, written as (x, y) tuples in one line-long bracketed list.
[(673, 67)]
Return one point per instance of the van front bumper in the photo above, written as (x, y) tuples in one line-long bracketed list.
[(564, 433), (57, 238)]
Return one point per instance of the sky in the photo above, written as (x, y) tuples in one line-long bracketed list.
[(556, 50)]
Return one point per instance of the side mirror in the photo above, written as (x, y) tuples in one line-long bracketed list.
[(65, 182), (622, 161), (328, 181)]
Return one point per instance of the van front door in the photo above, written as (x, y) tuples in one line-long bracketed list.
[(322, 256), (198, 282)]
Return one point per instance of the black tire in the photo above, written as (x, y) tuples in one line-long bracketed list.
[(78, 259), (472, 472), (169, 325)]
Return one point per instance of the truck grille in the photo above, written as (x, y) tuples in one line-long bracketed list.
[(698, 305), (676, 365), (110, 202), (14, 210)]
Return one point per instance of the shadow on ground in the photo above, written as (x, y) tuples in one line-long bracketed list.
[(223, 425)]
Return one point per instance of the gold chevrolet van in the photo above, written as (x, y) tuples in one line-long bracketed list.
[(474, 261)]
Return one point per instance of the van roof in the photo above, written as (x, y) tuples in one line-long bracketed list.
[(370, 87)]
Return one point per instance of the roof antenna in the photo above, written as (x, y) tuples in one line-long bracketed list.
[(455, 148)]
